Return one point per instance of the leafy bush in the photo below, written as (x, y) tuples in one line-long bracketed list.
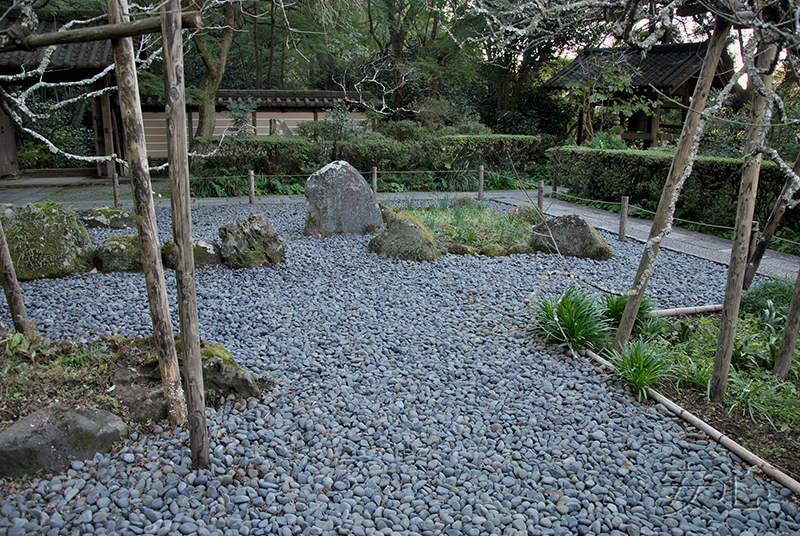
[(639, 364), (779, 291), (604, 140), (575, 320)]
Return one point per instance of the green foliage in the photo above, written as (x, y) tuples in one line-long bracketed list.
[(756, 299), (613, 307), (709, 195), (763, 394), (471, 225), (639, 364), (241, 114), (604, 140), (574, 319)]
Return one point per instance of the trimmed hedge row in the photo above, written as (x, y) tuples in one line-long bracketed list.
[(709, 195), (291, 155)]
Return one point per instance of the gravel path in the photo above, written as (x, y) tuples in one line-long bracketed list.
[(403, 406)]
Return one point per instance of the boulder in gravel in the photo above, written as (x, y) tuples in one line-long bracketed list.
[(45, 241), (574, 236), (527, 213), (493, 250), (461, 249), (339, 201), (107, 218), (49, 439), (206, 253), (405, 238), (141, 392), (463, 200), (387, 212), (119, 254), (250, 242)]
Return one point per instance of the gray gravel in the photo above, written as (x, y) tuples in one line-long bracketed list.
[(403, 406)]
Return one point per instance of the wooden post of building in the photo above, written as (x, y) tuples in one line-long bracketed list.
[(480, 183), (251, 185), (741, 237), (8, 277), (133, 126), (540, 197), (623, 218), (115, 186), (174, 91), (374, 180)]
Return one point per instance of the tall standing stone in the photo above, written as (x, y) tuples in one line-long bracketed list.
[(339, 201)]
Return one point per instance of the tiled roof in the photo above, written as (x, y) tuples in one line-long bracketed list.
[(665, 67), (95, 55), (275, 98)]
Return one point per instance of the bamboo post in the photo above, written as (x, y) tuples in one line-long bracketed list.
[(374, 180), (540, 197), (623, 218), (790, 332), (716, 45), (8, 277), (182, 230), (769, 228), (115, 186), (132, 124), (480, 183), (741, 237), (251, 183)]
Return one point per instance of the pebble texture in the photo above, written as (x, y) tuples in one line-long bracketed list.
[(403, 406)]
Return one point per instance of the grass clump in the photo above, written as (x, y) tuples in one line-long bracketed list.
[(613, 306), (574, 319), (778, 291), (639, 364)]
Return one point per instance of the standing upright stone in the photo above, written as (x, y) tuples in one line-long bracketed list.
[(339, 201)]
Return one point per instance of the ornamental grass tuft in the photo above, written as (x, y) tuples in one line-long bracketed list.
[(638, 364), (574, 320)]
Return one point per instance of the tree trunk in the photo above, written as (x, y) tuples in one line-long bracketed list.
[(133, 126), (271, 45), (174, 91), (769, 228), (789, 340), (741, 238), (671, 190), (8, 277), (257, 47), (214, 58)]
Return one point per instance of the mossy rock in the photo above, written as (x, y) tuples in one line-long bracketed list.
[(493, 250), (519, 249), (461, 249), (250, 242), (107, 218), (387, 212), (206, 253), (571, 236), (119, 254), (45, 241), (463, 200), (527, 213), (405, 238)]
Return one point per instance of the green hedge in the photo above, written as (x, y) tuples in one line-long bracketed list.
[(295, 155), (709, 195)]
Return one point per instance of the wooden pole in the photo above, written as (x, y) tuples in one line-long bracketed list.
[(623, 218), (751, 246), (741, 237), (133, 126), (540, 197), (716, 45), (790, 332), (178, 156), (480, 183), (115, 186), (757, 253), (251, 184), (191, 19), (374, 180), (8, 277)]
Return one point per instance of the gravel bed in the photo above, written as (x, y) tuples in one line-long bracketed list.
[(403, 406)]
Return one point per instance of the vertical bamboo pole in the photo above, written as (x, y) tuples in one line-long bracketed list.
[(623, 218), (480, 183), (716, 45), (374, 180), (741, 237), (115, 185), (132, 124), (251, 184), (8, 277), (540, 197), (182, 229)]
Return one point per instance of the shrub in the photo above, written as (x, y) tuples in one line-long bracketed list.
[(779, 291), (638, 364), (613, 307), (574, 320)]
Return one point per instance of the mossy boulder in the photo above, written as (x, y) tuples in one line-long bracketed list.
[(250, 242), (405, 238), (571, 236), (119, 254), (463, 200), (387, 212), (527, 213), (45, 241), (107, 218), (206, 253), (493, 250), (518, 249), (461, 249)]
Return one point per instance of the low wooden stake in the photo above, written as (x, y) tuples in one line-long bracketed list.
[(374, 180), (480, 183), (540, 197), (251, 183), (623, 218), (115, 185)]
